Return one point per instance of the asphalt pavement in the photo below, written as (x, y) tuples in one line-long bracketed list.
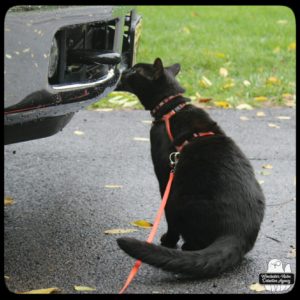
[(97, 175)]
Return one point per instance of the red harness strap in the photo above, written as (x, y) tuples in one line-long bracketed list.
[(162, 103), (195, 135), (167, 117)]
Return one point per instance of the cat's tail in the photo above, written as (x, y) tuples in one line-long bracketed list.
[(223, 253)]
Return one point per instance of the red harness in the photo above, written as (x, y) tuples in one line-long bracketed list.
[(166, 118)]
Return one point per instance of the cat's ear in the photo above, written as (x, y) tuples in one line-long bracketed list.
[(174, 69), (158, 68)]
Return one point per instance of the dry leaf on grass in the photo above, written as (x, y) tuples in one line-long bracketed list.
[(103, 109), (228, 85), (186, 30), (223, 72), (42, 291), (273, 80), (223, 104), (142, 223), (292, 46), (119, 231), (81, 288), (246, 83), (256, 287), (117, 100), (219, 54), (287, 96), (205, 82), (204, 100), (282, 22), (261, 98), (289, 99), (8, 201)]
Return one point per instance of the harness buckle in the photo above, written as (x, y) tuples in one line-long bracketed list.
[(174, 157)]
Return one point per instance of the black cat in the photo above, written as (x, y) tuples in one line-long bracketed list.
[(215, 204)]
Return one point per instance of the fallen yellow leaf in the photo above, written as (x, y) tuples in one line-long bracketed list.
[(260, 98), (243, 118), (283, 118), (141, 139), (130, 103), (257, 287), (103, 109), (290, 103), (119, 231), (81, 288), (220, 55), (244, 106), (113, 186), (8, 201), (276, 50), (223, 104), (292, 46), (223, 72), (272, 125), (204, 100), (186, 30), (287, 96), (282, 22), (142, 223), (228, 85), (267, 166), (246, 83), (41, 291), (265, 173), (205, 82), (273, 80), (78, 132), (260, 114)]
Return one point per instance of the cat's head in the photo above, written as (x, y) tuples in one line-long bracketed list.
[(151, 82)]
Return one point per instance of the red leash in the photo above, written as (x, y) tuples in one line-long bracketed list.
[(153, 231)]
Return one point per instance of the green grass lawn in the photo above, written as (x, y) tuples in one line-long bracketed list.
[(229, 54)]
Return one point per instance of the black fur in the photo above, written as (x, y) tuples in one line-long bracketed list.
[(215, 204)]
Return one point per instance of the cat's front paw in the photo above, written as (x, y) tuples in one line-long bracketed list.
[(166, 241)]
